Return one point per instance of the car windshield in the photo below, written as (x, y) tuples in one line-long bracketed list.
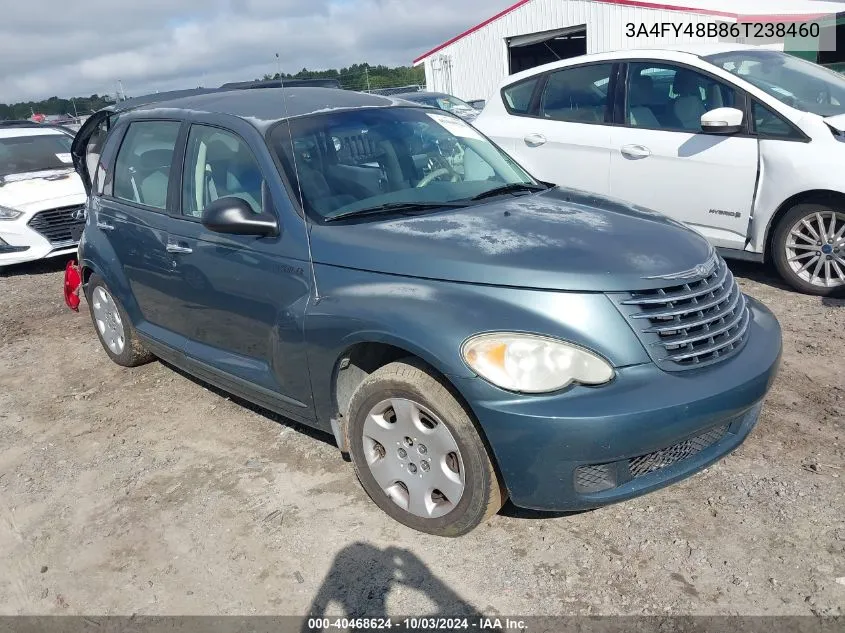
[(797, 83), (34, 152), (364, 159)]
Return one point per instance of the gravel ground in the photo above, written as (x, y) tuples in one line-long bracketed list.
[(144, 491)]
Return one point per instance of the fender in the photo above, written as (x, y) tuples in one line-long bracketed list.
[(431, 320)]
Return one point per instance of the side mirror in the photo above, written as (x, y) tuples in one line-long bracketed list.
[(234, 216), (722, 121)]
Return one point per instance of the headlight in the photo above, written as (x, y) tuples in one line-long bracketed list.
[(529, 363), (9, 214)]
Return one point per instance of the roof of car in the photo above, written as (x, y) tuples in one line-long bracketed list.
[(266, 106), (679, 53), (31, 130), (421, 93)]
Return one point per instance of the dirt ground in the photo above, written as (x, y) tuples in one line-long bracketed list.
[(143, 491)]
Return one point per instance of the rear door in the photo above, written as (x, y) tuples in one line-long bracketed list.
[(131, 214), (564, 137), (662, 160)]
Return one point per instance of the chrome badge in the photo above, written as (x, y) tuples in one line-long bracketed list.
[(701, 271)]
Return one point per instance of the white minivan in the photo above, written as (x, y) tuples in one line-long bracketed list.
[(744, 144)]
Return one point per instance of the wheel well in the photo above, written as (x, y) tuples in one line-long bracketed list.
[(86, 274), (355, 364), (821, 196)]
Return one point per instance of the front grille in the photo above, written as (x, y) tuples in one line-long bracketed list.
[(59, 226), (693, 324), (645, 464)]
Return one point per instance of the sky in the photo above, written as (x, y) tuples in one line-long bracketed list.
[(85, 46)]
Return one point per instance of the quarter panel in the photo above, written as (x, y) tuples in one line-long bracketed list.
[(789, 168)]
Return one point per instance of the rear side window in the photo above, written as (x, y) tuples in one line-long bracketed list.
[(578, 95), (219, 164), (518, 96), (142, 169)]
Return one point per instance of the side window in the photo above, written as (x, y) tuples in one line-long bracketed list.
[(668, 97), (769, 123), (577, 94), (518, 96), (142, 168), (218, 164)]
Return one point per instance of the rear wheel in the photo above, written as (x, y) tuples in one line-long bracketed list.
[(114, 329), (809, 249), (418, 454)]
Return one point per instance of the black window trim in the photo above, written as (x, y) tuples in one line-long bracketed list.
[(178, 213), (113, 163)]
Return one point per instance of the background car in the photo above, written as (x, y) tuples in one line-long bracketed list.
[(740, 143), (41, 196), (442, 101)]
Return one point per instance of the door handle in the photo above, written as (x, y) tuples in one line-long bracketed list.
[(105, 226), (534, 140), (176, 248), (635, 152)]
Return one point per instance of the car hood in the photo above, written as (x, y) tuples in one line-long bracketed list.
[(560, 239), (836, 122), (39, 190)]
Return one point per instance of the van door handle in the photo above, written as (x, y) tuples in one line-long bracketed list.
[(177, 248), (534, 140), (105, 226), (635, 152)]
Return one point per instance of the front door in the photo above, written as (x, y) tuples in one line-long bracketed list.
[(662, 160), (241, 296)]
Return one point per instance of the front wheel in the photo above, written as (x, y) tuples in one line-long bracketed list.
[(418, 454), (809, 249)]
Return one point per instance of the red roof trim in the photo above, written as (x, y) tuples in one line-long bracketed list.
[(472, 30), (643, 5)]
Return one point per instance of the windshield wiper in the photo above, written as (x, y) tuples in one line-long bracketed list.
[(395, 207), (510, 188)]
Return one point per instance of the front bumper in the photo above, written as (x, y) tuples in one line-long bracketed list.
[(645, 430), (21, 243)]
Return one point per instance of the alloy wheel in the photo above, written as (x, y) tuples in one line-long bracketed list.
[(815, 249)]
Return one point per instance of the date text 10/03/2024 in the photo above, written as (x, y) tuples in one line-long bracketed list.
[(750, 30), (416, 624)]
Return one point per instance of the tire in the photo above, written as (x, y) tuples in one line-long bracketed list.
[(113, 326), (446, 513), (786, 246)]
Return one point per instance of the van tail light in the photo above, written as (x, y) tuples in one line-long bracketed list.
[(73, 282)]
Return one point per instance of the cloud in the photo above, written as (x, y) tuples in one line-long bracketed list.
[(87, 46)]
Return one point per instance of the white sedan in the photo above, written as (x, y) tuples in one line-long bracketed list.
[(41, 196), (745, 145)]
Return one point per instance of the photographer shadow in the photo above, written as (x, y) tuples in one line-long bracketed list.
[(362, 577)]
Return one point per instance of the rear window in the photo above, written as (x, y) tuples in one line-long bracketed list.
[(518, 96), (30, 153)]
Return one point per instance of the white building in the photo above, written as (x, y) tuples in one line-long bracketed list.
[(534, 32)]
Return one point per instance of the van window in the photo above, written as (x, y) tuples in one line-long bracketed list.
[(142, 168)]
